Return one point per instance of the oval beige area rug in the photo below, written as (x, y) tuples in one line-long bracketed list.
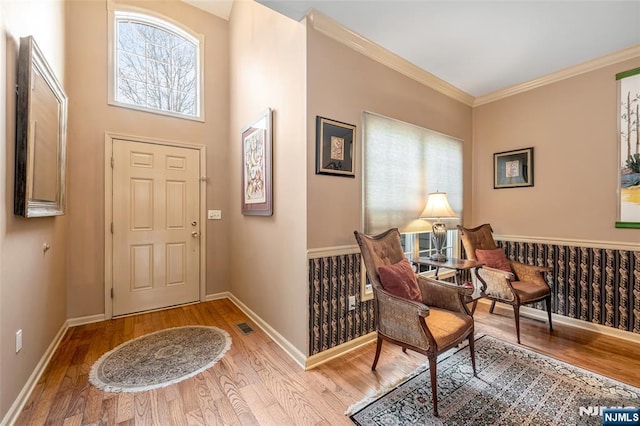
[(159, 359)]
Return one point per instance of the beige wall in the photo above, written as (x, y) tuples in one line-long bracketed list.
[(268, 254), (90, 117), (341, 85), (32, 284), (572, 125)]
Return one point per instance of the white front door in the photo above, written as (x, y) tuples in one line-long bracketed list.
[(156, 229)]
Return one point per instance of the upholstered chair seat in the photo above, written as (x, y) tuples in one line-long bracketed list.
[(412, 311), (530, 291), (446, 326)]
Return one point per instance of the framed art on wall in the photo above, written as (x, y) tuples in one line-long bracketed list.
[(629, 149), (257, 191), (41, 134), (512, 169), (335, 147)]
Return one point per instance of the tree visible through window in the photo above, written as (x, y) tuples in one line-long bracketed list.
[(156, 65)]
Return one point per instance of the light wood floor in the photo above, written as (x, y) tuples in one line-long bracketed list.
[(257, 383)]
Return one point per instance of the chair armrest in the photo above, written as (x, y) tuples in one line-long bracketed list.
[(498, 273), (497, 283), (401, 319), (443, 295), (526, 272)]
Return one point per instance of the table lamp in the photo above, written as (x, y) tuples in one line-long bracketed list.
[(438, 207)]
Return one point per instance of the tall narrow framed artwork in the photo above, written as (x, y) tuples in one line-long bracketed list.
[(629, 149), (257, 191)]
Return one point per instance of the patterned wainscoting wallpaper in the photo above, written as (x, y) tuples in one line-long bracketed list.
[(597, 285), (331, 281)]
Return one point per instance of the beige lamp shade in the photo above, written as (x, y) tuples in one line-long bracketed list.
[(437, 206)]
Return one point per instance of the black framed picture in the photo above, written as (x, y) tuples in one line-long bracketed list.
[(512, 169), (335, 147)]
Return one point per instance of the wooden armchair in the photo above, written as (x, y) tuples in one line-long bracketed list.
[(439, 321), (515, 284)]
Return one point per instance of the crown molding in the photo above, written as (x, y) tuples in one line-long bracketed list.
[(332, 29), (601, 62)]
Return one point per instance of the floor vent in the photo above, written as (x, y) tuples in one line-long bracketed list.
[(245, 328)]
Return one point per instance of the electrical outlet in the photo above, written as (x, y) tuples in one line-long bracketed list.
[(18, 340), (214, 214), (352, 303)]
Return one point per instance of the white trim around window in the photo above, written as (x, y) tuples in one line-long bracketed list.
[(163, 22)]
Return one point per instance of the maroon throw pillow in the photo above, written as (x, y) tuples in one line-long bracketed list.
[(400, 280), (494, 259)]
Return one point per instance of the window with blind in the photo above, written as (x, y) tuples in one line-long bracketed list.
[(402, 163)]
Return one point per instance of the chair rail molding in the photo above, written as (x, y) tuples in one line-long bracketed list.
[(607, 245), (332, 251)]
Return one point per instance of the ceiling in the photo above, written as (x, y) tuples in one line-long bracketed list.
[(478, 46)]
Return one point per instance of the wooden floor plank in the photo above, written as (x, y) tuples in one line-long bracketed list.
[(107, 411), (73, 420), (142, 408), (124, 407), (256, 382)]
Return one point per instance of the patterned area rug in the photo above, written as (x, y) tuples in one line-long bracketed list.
[(514, 386), (159, 359)]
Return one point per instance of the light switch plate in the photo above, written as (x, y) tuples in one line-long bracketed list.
[(214, 214), (18, 340)]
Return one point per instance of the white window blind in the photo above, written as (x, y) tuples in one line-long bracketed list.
[(402, 163)]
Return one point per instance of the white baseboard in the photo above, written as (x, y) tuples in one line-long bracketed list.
[(16, 408), (217, 296), (324, 356), (291, 350), (573, 322), (72, 322)]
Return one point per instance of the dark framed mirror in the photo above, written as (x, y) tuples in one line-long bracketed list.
[(41, 131)]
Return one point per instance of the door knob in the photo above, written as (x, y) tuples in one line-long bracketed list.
[(194, 223), (194, 234)]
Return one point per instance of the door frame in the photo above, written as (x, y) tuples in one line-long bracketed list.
[(108, 210)]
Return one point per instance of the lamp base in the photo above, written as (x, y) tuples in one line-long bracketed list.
[(439, 238), (439, 257)]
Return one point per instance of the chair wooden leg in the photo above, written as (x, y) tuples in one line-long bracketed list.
[(473, 307), (378, 347), (434, 383), (516, 314), (548, 303), (493, 305), (472, 341)]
